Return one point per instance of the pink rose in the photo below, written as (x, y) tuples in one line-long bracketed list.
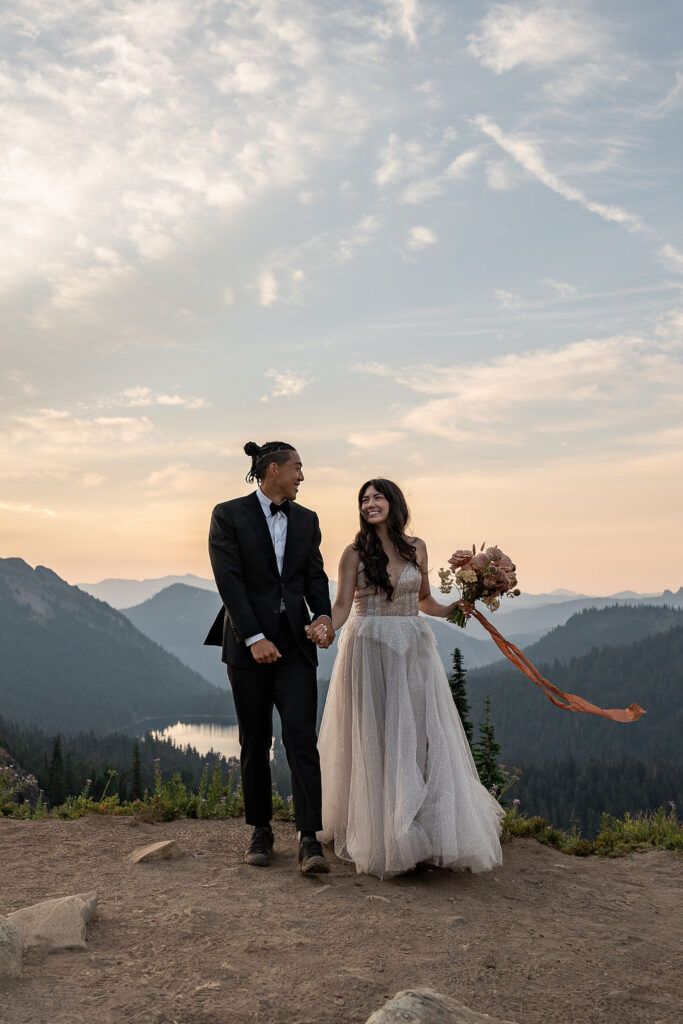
[(460, 559), (481, 561), (494, 553), (505, 563)]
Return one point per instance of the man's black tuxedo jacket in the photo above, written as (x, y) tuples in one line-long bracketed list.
[(244, 566)]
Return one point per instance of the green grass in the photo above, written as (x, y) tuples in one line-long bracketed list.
[(167, 801), (650, 830), (646, 830)]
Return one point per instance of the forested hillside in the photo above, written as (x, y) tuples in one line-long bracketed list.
[(70, 662), (530, 728)]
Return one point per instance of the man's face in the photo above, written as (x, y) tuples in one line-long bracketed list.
[(289, 475)]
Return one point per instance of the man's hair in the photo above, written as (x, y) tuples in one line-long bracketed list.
[(262, 455)]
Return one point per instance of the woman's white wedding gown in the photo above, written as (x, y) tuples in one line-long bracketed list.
[(399, 783)]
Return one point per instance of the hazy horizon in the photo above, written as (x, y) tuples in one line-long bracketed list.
[(439, 243)]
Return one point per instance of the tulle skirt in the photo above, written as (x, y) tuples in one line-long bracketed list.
[(399, 783)]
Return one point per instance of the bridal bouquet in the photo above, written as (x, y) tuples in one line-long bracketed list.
[(485, 576)]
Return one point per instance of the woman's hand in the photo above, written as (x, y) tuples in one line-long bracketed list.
[(463, 605)]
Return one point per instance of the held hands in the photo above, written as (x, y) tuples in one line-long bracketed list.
[(264, 652), (320, 632)]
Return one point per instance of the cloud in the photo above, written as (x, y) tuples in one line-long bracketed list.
[(398, 159), (585, 386), (172, 479), (376, 439), (508, 300), (144, 396), (672, 257), (287, 384), (61, 429), (361, 235), (10, 506), (405, 16), (527, 154), (499, 176), (421, 237), (267, 288), (460, 168), (583, 80), (92, 480), (145, 129), (546, 34), (563, 288)]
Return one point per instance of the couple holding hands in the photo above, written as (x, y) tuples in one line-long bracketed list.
[(391, 781)]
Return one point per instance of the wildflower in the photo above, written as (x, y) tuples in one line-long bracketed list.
[(516, 801)]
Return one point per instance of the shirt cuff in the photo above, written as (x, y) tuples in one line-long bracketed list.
[(252, 639)]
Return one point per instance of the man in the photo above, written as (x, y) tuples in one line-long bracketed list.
[(265, 554)]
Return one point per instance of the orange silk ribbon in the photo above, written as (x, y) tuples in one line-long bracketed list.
[(568, 701)]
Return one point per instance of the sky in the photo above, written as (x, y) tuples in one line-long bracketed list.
[(437, 242)]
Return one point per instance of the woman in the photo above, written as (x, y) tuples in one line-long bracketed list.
[(399, 782)]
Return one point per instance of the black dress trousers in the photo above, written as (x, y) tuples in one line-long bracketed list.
[(289, 684)]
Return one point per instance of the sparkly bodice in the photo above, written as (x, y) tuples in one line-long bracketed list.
[(405, 597)]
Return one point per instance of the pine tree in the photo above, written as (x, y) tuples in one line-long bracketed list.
[(486, 752), (56, 785), (136, 790), (456, 681)]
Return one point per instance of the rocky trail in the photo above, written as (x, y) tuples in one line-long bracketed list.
[(206, 939)]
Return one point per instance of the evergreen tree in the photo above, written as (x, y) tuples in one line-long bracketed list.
[(456, 681), (56, 789), (136, 790), (486, 752)]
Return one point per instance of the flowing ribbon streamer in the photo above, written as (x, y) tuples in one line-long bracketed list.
[(568, 701)]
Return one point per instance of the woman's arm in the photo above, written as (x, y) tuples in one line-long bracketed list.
[(426, 603), (346, 586)]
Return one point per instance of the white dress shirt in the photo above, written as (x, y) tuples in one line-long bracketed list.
[(277, 527)]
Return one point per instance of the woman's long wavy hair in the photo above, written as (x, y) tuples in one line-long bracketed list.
[(368, 544)]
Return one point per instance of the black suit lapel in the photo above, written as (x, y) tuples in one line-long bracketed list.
[(294, 526), (252, 507)]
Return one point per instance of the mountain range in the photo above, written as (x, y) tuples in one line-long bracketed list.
[(179, 617), (71, 662)]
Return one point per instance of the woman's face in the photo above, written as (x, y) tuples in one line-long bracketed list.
[(374, 506)]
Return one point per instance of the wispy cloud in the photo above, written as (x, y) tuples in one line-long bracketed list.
[(563, 288), (421, 237), (544, 34), (580, 387), (267, 288), (144, 396), (529, 156), (287, 384), (672, 258), (10, 506), (375, 439), (61, 428)]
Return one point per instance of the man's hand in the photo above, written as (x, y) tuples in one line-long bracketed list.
[(320, 632), (264, 652)]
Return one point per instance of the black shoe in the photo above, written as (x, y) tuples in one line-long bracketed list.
[(311, 857), (260, 851)]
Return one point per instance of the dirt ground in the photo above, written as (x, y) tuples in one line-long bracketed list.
[(206, 939)]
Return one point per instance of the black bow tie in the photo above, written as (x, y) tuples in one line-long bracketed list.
[(282, 507)]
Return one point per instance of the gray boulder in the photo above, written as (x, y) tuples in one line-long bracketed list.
[(422, 1006), (10, 949), (56, 924)]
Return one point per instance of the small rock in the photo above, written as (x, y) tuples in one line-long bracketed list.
[(10, 950), (56, 924), (156, 851), (422, 1006)]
